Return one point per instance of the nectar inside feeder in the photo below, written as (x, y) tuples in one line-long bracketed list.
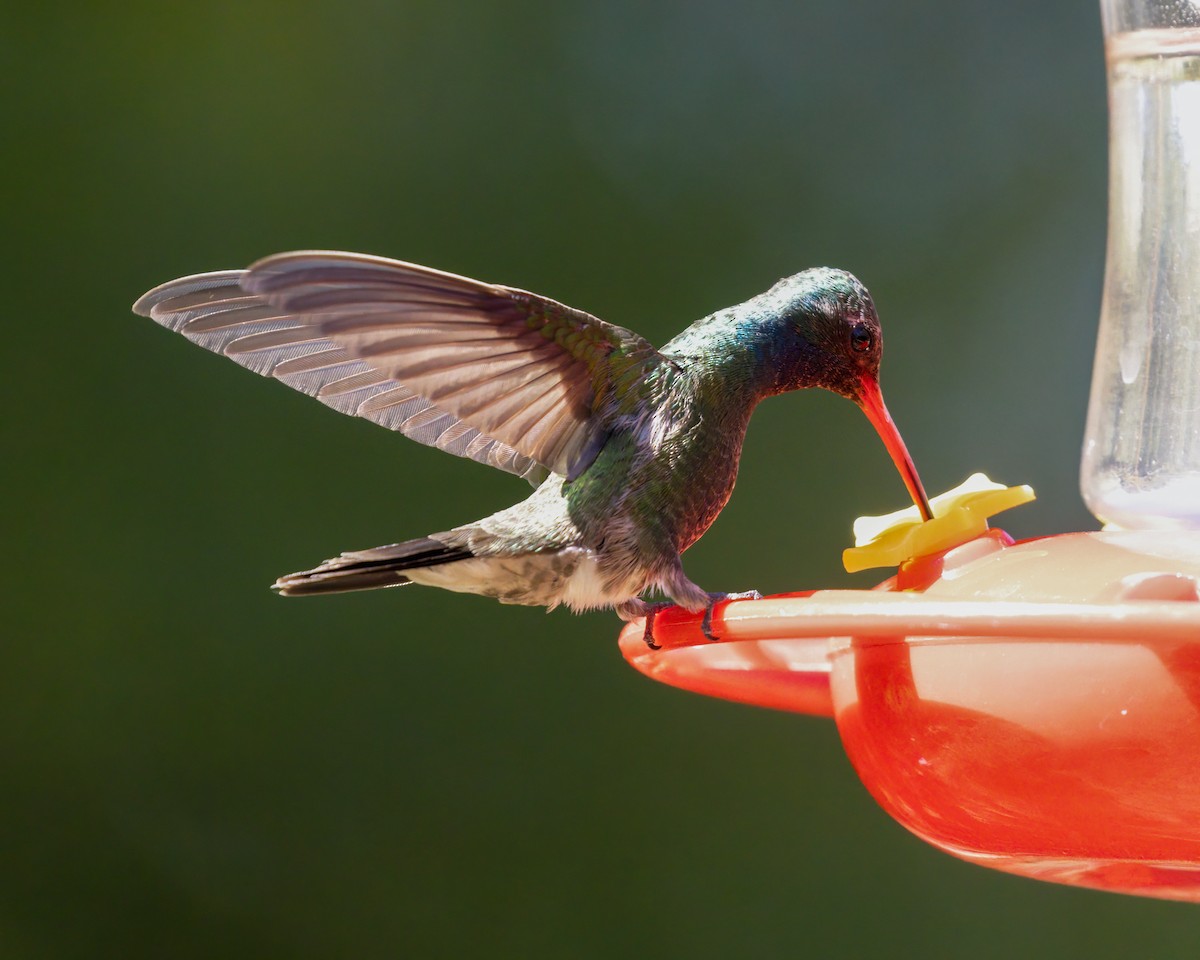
[(1034, 707)]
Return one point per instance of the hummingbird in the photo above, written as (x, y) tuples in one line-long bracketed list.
[(632, 451)]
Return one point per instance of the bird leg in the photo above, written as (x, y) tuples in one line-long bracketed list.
[(648, 634), (713, 600), (632, 609)]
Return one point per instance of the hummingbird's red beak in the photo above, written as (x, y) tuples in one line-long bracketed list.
[(871, 400)]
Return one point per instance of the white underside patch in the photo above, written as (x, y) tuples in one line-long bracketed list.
[(570, 576), (584, 589)]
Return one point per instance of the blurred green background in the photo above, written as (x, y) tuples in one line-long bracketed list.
[(193, 767)]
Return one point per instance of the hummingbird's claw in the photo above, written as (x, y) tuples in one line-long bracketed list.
[(648, 632), (652, 610), (714, 599)]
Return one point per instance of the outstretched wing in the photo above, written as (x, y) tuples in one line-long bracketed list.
[(496, 374), (213, 310)]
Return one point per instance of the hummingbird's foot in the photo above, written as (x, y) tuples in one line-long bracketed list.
[(648, 632), (632, 609), (714, 599), (652, 611)]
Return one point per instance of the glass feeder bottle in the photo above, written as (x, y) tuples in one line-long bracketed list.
[(1141, 453)]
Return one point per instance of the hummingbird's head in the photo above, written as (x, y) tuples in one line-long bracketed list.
[(828, 331), (828, 335)]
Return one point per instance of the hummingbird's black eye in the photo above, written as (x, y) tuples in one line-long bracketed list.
[(861, 338)]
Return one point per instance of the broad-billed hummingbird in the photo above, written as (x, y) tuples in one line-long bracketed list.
[(633, 451)]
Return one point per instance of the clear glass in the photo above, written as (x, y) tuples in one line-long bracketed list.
[(1141, 455)]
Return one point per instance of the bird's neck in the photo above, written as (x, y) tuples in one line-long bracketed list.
[(738, 360)]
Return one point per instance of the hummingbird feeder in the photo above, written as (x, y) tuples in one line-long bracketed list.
[(1035, 706)]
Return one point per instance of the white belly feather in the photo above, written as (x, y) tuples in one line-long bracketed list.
[(571, 576)]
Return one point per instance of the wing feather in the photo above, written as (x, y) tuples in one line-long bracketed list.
[(493, 373), (213, 311)]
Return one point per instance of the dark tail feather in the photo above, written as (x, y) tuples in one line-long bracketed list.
[(369, 569)]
